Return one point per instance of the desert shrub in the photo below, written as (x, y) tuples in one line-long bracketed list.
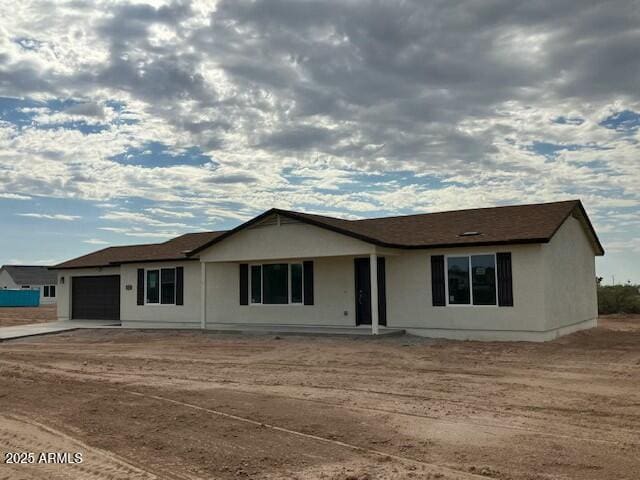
[(619, 299)]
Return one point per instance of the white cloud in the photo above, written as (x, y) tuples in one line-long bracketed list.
[(334, 114), (96, 241), (48, 216), (14, 196), (169, 213)]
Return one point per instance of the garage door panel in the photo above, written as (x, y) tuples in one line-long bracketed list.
[(96, 298)]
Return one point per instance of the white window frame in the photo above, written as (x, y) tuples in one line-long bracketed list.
[(446, 278), (175, 293), (289, 281), (45, 291), (54, 289)]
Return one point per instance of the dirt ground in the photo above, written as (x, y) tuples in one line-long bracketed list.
[(193, 405), (10, 316)]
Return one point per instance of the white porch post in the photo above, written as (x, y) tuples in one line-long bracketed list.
[(373, 258), (203, 295)]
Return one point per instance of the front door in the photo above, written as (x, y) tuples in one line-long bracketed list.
[(363, 291)]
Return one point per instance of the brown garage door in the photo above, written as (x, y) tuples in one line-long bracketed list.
[(95, 298)]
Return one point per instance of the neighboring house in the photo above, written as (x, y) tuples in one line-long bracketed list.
[(30, 277), (510, 273)]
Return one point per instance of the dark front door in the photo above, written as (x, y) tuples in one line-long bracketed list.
[(95, 298), (363, 291)]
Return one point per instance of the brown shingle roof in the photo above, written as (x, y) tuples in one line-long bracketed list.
[(174, 249), (535, 223), (516, 224)]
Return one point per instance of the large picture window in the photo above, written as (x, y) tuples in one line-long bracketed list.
[(471, 280), (276, 284), (161, 286)]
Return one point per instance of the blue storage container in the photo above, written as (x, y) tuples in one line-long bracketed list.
[(19, 298)]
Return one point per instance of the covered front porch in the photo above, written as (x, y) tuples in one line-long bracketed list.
[(337, 294)]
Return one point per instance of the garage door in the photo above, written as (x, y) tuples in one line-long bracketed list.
[(95, 298)]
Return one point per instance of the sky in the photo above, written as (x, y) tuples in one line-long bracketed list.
[(130, 122)]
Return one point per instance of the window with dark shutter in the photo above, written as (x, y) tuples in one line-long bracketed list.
[(179, 285), (307, 268), (244, 284), (505, 282), (140, 287), (438, 293)]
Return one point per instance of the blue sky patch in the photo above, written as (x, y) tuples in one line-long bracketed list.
[(157, 154), (551, 150), (625, 121)]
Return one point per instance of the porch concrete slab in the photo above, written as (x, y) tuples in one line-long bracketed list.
[(21, 331), (300, 330)]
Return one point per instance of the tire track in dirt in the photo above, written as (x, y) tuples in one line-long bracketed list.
[(75, 373), (20, 434), (450, 473)]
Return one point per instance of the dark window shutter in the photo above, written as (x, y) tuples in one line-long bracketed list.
[(382, 292), (140, 287), (437, 281), (505, 283), (308, 282), (179, 285), (244, 284)]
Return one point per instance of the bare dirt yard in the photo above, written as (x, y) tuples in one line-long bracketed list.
[(193, 405), (10, 316)]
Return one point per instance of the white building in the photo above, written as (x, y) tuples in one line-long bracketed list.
[(522, 272), (30, 277)]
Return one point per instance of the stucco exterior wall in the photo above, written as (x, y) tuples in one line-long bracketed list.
[(333, 296), (160, 316), (569, 278), (409, 299), (63, 289), (6, 282), (288, 240)]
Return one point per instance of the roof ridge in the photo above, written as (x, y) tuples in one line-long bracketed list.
[(465, 210), (23, 266)]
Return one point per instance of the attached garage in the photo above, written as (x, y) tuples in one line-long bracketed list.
[(95, 298)]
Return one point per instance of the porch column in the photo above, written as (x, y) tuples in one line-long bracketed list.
[(203, 295), (373, 259)]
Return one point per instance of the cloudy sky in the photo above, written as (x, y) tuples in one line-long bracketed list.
[(131, 123)]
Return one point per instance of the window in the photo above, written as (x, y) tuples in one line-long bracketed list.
[(483, 279), (49, 291), (153, 286), (276, 283), (256, 283), (296, 283), (458, 272), (471, 280), (26, 287), (161, 286), (168, 286)]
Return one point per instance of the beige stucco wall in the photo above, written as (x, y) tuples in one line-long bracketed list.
[(131, 314), (64, 289), (333, 296), (288, 240), (569, 277), (409, 299), (161, 316)]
